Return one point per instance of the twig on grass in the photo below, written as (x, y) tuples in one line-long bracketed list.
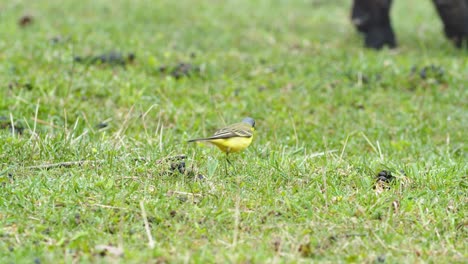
[(344, 147), (35, 118), (147, 228), (124, 125), (235, 235), (109, 207), (186, 194), (65, 164), (42, 122), (12, 126), (68, 164)]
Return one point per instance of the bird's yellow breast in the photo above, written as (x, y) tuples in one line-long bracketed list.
[(230, 145)]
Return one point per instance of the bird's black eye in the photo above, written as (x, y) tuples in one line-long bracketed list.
[(253, 125)]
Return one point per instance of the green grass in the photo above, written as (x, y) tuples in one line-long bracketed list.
[(330, 115)]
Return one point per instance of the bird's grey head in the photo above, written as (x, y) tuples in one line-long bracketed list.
[(249, 120)]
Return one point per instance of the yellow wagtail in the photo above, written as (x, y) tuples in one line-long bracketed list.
[(233, 138)]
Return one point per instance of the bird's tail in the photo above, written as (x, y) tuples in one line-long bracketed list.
[(198, 139)]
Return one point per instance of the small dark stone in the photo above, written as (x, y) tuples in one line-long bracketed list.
[(131, 57), (162, 69), (25, 20), (384, 173), (422, 73), (179, 166), (180, 70), (102, 125), (77, 218), (28, 86), (173, 213), (111, 58), (432, 71), (385, 176), (381, 259), (383, 180), (200, 177)]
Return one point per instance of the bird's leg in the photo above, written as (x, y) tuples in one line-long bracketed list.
[(228, 162)]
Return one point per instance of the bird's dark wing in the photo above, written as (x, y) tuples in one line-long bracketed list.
[(235, 130)]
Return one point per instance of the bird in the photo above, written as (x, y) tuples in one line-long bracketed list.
[(233, 138)]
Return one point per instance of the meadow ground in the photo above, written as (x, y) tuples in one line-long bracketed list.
[(330, 116)]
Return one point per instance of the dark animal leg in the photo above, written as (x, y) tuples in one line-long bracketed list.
[(226, 163), (372, 17), (454, 15)]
